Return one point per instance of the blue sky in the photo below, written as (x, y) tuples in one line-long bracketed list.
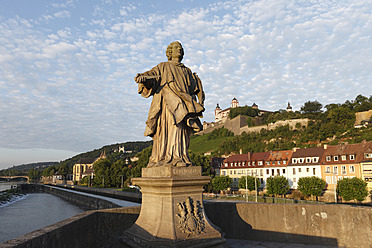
[(67, 67)]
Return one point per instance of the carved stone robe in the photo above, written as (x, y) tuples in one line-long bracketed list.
[(173, 104)]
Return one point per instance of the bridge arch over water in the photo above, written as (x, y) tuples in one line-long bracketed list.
[(13, 178)]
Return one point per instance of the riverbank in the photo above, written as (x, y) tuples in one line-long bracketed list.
[(10, 195)]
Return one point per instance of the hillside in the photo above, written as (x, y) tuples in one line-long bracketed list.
[(333, 126), (24, 168)]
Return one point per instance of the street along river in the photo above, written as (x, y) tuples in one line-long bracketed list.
[(31, 212)]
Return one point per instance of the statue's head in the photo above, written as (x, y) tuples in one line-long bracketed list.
[(169, 50)]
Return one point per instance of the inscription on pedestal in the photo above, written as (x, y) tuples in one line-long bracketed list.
[(190, 216), (190, 171)]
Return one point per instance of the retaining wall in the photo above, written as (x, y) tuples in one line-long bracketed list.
[(323, 224)]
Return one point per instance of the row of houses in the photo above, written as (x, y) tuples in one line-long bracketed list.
[(331, 163)]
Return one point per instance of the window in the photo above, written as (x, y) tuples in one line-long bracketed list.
[(307, 169), (267, 163), (223, 173), (352, 157), (294, 171), (368, 155), (335, 170), (343, 169), (226, 164), (243, 164), (328, 158), (284, 162), (273, 162), (253, 163), (283, 171), (230, 172), (261, 173), (259, 163), (315, 160), (351, 169), (343, 157), (249, 163), (308, 160), (299, 170), (300, 160), (235, 164), (294, 180), (278, 162), (267, 172), (294, 160), (232, 164), (328, 169), (239, 164), (278, 171), (272, 172), (314, 171), (234, 172), (335, 158)]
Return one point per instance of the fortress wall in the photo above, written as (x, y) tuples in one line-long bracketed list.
[(360, 116)]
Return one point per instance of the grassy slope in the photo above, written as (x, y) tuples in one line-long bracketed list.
[(200, 144)]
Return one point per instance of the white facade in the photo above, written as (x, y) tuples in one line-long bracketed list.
[(295, 172)]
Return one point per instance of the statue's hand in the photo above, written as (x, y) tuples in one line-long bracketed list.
[(139, 78)]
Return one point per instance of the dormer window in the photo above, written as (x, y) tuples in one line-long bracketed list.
[(368, 155), (315, 159), (249, 163), (294, 160), (284, 162), (253, 163), (328, 158), (267, 163), (260, 163), (239, 164), (352, 157), (335, 158), (226, 164), (308, 160), (300, 160), (343, 157), (274, 163), (278, 162), (243, 164)]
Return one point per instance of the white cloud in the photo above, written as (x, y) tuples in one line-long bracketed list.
[(75, 82)]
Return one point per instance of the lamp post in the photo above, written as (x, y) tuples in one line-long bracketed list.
[(255, 184), (121, 180), (335, 183), (246, 185)]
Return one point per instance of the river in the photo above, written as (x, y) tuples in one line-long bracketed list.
[(31, 212)]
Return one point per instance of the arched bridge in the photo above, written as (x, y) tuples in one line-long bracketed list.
[(14, 178)]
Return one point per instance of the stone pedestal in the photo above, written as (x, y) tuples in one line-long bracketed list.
[(172, 213)]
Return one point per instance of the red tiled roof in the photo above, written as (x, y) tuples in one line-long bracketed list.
[(357, 150)]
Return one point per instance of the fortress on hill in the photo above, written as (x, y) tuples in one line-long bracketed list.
[(239, 124)]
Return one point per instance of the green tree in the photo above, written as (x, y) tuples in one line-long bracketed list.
[(311, 186), (250, 183), (277, 185), (352, 189), (312, 107), (34, 174), (202, 161), (221, 183), (247, 111), (143, 160)]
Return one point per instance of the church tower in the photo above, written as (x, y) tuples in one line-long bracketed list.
[(289, 108), (234, 103)]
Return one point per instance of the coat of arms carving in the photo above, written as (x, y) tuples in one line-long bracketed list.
[(191, 221)]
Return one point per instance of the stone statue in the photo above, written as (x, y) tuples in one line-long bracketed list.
[(177, 104)]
